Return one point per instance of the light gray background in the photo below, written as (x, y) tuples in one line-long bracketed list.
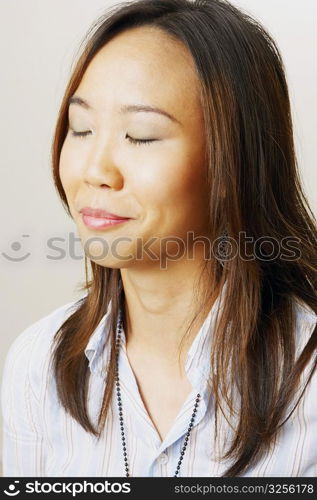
[(39, 40)]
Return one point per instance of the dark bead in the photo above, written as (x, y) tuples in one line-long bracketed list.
[(122, 433), (182, 453)]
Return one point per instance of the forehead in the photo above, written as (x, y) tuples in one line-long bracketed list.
[(143, 64)]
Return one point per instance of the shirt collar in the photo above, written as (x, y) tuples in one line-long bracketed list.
[(96, 344), (197, 364)]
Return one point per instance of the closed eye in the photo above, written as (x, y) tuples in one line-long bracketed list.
[(84, 133), (81, 134), (140, 141)]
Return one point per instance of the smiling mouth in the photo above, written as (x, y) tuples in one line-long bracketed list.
[(101, 222)]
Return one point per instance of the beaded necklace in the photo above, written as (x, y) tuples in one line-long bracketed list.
[(119, 401)]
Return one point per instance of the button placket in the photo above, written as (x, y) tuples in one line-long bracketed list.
[(163, 458)]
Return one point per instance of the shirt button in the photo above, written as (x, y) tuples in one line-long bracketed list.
[(163, 458)]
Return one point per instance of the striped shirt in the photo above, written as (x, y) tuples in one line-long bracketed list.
[(41, 440)]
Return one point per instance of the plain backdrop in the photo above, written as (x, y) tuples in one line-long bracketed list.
[(39, 41)]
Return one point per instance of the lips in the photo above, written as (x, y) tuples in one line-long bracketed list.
[(102, 214), (99, 219)]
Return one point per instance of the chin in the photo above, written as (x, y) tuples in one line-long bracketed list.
[(112, 263)]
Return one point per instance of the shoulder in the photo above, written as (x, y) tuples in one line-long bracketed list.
[(303, 310), (28, 354), (305, 323), (39, 334)]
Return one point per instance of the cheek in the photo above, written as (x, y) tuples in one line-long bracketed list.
[(69, 169), (175, 180), (183, 191), (171, 192)]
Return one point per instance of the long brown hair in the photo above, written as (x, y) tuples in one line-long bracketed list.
[(251, 157)]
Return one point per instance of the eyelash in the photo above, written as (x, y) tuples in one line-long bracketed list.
[(131, 139), (80, 134), (139, 141)]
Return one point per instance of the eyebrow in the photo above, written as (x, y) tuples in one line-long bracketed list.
[(126, 108)]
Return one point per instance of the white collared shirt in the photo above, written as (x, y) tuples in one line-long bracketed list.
[(41, 440)]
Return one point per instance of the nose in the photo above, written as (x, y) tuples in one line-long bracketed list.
[(102, 170)]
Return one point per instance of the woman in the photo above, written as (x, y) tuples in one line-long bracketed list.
[(193, 351)]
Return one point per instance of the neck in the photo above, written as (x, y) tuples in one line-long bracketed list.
[(159, 307)]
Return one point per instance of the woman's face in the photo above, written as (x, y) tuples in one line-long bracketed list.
[(159, 185)]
